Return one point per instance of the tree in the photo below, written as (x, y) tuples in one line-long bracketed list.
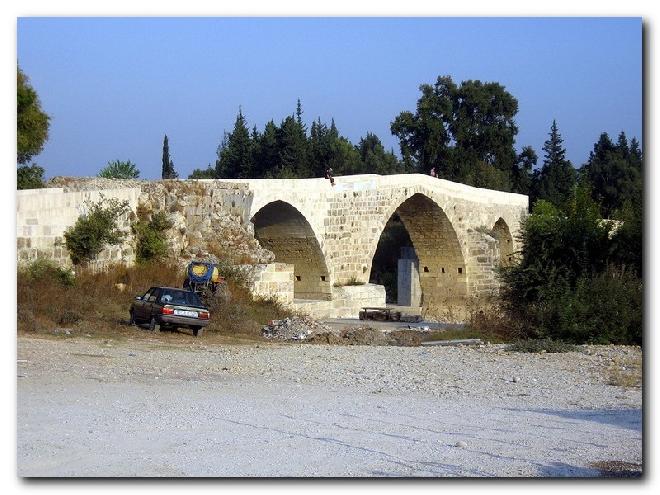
[(167, 170), (235, 153), (29, 177), (120, 170), (572, 282), (614, 173), (265, 152), (461, 131), (32, 122), (556, 179), (95, 229), (208, 173), (150, 238), (375, 160), (521, 173), (292, 149)]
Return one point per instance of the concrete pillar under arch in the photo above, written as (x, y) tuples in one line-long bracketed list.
[(409, 290)]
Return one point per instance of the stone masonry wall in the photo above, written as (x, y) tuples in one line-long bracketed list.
[(342, 225), (43, 215)]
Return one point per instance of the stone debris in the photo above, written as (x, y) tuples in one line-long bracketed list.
[(295, 328)]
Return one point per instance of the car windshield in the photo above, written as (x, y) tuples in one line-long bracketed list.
[(184, 297)]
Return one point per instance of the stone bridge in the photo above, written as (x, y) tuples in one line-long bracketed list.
[(329, 234)]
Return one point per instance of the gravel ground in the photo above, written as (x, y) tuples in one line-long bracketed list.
[(145, 407)]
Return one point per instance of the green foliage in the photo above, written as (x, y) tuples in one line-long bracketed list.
[(32, 122), (627, 241), (30, 177), (289, 151), (556, 179), (43, 269), (167, 169), (118, 169), (95, 229), (461, 131), (541, 345), (208, 173), (615, 173), (150, 239), (575, 281), (521, 174), (235, 154)]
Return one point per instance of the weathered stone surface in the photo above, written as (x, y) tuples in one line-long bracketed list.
[(327, 233)]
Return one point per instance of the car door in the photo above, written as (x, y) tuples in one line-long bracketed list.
[(139, 309), (152, 305)]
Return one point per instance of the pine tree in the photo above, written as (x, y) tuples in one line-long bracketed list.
[(614, 174), (556, 179), (374, 159), (235, 154), (293, 147), (521, 173)]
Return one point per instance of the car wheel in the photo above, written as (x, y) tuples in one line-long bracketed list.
[(153, 325), (197, 331), (131, 321)]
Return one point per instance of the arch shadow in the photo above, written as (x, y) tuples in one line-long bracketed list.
[(502, 233), (441, 265), (284, 230)]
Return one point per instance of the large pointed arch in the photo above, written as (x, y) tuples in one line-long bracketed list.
[(442, 267), (284, 230)]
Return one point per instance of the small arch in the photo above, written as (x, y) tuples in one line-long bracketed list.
[(502, 233), (284, 230)]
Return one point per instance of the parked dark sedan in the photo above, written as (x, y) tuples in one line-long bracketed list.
[(171, 308)]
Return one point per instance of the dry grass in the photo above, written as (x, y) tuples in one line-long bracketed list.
[(625, 371), (94, 307)]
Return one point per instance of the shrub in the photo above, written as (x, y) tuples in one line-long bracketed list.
[(69, 317), (30, 177), (150, 240), (120, 170), (42, 269), (95, 229), (541, 345), (208, 173), (572, 283)]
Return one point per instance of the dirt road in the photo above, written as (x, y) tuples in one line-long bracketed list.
[(147, 408)]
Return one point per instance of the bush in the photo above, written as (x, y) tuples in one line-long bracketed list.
[(572, 283), (42, 270), (120, 170), (150, 240), (30, 177), (96, 229), (69, 317), (208, 173), (601, 309), (541, 345)]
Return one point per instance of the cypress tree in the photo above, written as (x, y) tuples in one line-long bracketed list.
[(556, 179), (165, 172)]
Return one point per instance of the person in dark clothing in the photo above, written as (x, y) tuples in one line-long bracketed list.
[(328, 175)]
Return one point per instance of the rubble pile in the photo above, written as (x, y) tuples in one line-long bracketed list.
[(295, 328)]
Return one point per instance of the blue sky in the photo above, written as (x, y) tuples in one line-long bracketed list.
[(115, 86)]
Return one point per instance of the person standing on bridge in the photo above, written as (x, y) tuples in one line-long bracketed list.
[(328, 175), (432, 172)]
